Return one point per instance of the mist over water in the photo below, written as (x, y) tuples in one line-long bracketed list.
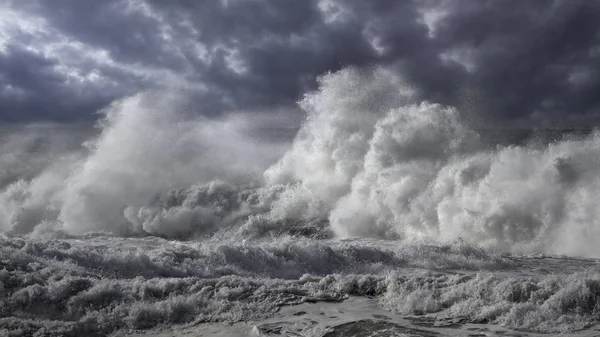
[(369, 160)]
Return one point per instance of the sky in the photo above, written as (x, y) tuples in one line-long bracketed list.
[(508, 62)]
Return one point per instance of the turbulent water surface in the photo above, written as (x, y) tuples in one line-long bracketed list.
[(383, 216)]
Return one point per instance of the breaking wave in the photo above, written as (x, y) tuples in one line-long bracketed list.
[(369, 160), (158, 216)]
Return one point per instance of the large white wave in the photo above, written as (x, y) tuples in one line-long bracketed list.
[(369, 160)]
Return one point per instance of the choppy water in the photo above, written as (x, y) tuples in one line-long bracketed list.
[(98, 284)]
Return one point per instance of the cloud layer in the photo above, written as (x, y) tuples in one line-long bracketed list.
[(522, 62)]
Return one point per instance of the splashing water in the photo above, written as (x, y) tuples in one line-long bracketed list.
[(369, 161)]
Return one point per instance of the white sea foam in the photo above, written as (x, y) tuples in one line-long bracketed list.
[(100, 283)]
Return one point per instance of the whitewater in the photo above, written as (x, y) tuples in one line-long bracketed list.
[(382, 214)]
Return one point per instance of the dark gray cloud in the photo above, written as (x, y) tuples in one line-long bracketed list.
[(523, 62), (532, 59)]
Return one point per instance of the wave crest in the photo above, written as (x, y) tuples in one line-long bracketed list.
[(369, 160)]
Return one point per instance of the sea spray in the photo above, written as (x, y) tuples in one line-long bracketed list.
[(369, 160), (163, 217)]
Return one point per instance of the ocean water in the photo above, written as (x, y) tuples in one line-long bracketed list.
[(378, 215)]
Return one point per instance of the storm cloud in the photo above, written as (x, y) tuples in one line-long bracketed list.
[(523, 63)]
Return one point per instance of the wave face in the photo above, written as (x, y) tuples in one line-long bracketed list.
[(160, 217)]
